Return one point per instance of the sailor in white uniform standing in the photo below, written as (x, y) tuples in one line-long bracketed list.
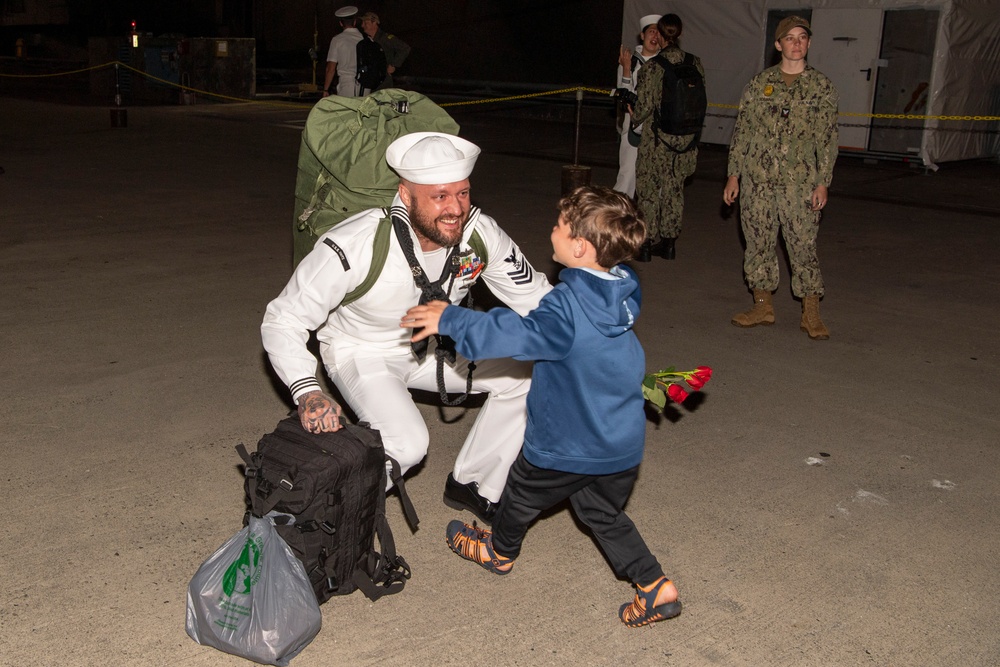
[(629, 63), (365, 352)]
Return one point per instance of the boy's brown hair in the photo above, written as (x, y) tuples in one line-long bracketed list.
[(607, 219)]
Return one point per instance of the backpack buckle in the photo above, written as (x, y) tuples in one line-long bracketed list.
[(306, 526)]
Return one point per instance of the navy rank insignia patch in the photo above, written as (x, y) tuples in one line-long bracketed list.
[(520, 272)]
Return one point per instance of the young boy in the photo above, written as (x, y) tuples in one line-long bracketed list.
[(586, 420)]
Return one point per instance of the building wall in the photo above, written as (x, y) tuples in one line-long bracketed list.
[(33, 12)]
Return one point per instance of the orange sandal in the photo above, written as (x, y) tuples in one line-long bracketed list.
[(468, 542), (643, 610)]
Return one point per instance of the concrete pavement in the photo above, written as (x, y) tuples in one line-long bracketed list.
[(824, 503)]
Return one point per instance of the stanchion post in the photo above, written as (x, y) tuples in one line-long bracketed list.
[(574, 175), (119, 115), (579, 116)]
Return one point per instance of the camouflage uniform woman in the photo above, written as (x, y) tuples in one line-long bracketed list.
[(780, 164), (660, 171)]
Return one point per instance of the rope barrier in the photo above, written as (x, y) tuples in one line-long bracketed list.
[(220, 96), (509, 98), (43, 76)]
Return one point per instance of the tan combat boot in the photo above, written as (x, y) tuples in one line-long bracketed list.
[(811, 323), (761, 313)]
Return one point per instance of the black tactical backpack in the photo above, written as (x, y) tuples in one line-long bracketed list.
[(328, 493), (372, 65), (683, 103)]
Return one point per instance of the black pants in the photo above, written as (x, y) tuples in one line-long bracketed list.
[(597, 500)]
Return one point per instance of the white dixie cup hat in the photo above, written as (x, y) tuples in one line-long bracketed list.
[(432, 158), (649, 19)]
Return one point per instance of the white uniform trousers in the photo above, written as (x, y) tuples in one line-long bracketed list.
[(376, 388), (347, 86), (627, 154)]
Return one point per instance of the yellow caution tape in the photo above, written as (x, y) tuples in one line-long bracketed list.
[(491, 100)]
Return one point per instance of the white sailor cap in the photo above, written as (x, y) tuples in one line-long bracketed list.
[(432, 158), (649, 19), (346, 12)]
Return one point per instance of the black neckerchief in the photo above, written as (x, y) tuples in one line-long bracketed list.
[(433, 291)]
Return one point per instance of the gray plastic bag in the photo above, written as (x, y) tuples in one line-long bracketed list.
[(252, 598)]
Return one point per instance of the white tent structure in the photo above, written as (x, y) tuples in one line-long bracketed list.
[(937, 59)]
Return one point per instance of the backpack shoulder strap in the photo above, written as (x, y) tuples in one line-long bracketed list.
[(380, 251), (477, 244), (635, 61), (384, 572)]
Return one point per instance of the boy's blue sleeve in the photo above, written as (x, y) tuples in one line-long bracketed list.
[(545, 333)]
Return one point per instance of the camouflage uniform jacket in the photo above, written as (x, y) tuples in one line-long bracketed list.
[(395, 49), (786, 135)]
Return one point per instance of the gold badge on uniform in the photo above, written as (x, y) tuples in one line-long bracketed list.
[(768, 90)]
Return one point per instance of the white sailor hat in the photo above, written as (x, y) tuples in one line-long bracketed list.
[(649, 19), (346, 12), (432, 158)]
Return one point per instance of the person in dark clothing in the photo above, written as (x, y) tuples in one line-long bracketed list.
[(664, 161), (395, 49)]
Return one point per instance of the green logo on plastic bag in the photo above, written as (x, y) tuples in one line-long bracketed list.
[(244, 572)]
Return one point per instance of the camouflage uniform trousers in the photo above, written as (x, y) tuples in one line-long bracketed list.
[(659, 185), (764, 208)]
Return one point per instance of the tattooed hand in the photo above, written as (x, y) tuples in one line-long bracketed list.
[(319, 413)]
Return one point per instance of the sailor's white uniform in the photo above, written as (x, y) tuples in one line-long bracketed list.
[(367, 353)]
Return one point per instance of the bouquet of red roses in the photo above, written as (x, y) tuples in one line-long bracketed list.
[(657, 387)]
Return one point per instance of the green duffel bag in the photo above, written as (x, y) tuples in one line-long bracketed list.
[(342, 169)]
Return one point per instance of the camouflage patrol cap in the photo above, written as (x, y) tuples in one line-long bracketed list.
[(790, 22)]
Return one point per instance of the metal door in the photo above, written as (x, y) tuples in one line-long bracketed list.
[(845, 47), (903, 87)]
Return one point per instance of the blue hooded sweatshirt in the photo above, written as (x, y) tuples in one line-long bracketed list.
[(585, 408)]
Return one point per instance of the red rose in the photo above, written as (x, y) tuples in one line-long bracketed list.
[(676, 393), (696, 382)]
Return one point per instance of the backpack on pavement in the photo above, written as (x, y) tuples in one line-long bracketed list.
[(683, 103), (326, 493)]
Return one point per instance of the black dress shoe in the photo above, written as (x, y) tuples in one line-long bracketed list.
[(645, 252), (667, 250), (466, 497)]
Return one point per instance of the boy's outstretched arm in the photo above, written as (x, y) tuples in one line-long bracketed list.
[(426, 316)]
